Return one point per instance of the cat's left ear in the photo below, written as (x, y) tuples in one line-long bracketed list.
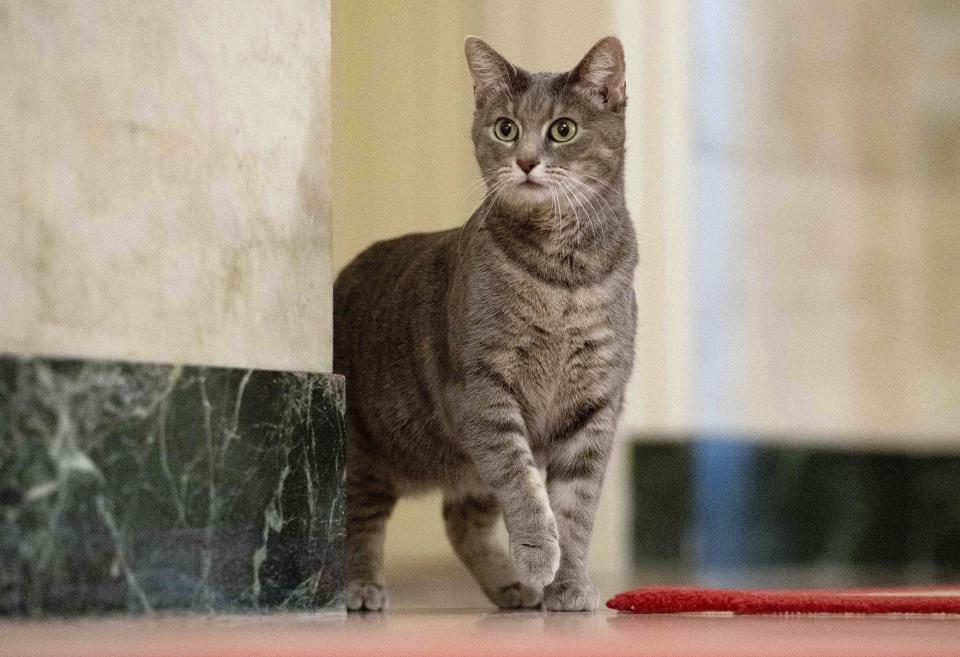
[(601, 74)]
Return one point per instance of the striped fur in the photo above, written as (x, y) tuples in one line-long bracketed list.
[(490, 361)]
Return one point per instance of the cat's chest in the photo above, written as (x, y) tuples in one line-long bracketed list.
[(550, 325), (559, 346)]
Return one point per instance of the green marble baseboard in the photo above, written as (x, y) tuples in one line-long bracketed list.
[(134, 488)]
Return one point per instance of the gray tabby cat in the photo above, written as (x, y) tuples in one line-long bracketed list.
[(490, 360)]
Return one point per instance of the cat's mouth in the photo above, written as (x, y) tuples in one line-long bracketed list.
[(531, 191)]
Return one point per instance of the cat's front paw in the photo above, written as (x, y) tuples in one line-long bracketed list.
[(572, 595), (536, 562), (366, 596), (517, 596)]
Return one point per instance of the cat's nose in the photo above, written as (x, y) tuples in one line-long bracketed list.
[(527, 165)]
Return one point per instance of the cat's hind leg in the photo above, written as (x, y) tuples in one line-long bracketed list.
[(370, 500), (470, 518)]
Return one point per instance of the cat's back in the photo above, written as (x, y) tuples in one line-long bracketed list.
[(389, 324), (390, 264), (384, 285)]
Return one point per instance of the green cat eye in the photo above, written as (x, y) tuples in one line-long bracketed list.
[(506, 130), (563, 130)]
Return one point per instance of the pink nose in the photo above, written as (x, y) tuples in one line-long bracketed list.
[(527, 165)]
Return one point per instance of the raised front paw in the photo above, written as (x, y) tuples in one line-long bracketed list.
[(536, 561), (366, 596), (572, 595), (517, 596)]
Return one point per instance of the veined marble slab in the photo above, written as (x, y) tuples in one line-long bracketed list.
[(137, 488)]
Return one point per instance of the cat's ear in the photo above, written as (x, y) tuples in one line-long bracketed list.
[(601, 74), (491, 72)]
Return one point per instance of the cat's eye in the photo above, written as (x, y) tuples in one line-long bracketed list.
[(506, 130), (563, 130)]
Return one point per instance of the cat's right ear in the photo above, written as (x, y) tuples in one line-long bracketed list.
[(491, 73)]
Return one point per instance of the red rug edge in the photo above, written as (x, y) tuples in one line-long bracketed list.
[(677, 600)]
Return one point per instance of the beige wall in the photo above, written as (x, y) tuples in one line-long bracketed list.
[(164, 190), (794, 173), (402, 107), (825, 244)]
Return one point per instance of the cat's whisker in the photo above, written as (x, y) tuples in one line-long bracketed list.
[(496, 174), (556, 214), (592, 218), (491, 189), (594, 194), (556, 202), (492, 192), (574, 175), (488, 179), (494, 185), (493, 202), (497, 192), (596, 215), (559, 214), (601, 182), (601, 217), (570, 202), (475, 186), (575, 179), (494, 189)]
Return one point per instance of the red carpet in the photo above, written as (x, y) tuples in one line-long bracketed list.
[(675, 600)]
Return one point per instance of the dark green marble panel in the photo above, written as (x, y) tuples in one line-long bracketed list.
[(132, 488)]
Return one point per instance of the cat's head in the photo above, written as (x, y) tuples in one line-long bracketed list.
[(549, 140)]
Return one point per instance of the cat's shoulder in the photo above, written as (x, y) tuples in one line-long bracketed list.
[(395, 254), (406, 244)]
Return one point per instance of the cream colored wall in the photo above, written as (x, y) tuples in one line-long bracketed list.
[(825, 250), (402, 107), (164, 184), (795, 176)]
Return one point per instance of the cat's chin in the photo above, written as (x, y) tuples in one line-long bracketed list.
[(530, 194)]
